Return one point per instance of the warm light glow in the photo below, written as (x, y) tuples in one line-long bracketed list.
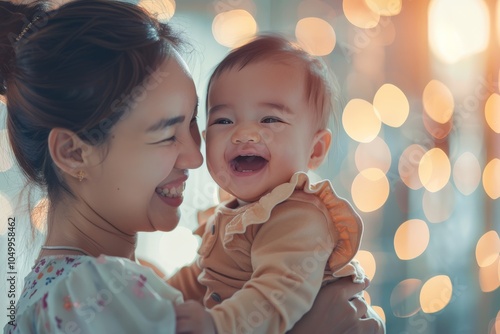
[(162, 9), (492, 112), (367, 297), (458, 29), (392, 105), (182, 242), (385, 7), (411, 239), (487, 249), (467, 173), (6, 212), (491, 178), (360, 121), (438, 101), (405, 298), (437, 130), (370, 189), (438, 206), (436, 294), (496, 325), (359, 14), (368, 263), (39, 215), (380, 312), (408, 166), (375, 154), (488, 277), (315, 35), (234, 28), (434, 170), (6, 156)]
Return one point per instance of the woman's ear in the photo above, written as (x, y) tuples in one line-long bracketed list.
[(320, 146), (68, 151)]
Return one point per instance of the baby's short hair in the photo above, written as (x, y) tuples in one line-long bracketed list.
[(320, 83)]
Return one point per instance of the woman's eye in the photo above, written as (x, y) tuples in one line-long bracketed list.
[(169, 140), (271, 120)]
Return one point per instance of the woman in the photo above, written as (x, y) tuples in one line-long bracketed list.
[(102, 115)]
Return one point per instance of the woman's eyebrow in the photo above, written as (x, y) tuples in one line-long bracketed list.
[(165, 123)]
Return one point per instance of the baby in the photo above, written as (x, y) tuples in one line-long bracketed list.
[(266, 253)]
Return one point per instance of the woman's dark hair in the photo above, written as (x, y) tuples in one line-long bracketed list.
[(78, 67)]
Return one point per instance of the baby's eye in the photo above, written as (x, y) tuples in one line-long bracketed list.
[(271, 119), (222, 121)]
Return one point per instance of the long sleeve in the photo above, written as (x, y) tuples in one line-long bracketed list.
[(186, 280)]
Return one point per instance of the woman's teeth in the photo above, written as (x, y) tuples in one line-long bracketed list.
[(171, 192)]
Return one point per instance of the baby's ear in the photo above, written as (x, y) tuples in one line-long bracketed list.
[(319, 149)]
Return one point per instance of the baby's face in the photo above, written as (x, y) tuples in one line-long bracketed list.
[(260, 128)]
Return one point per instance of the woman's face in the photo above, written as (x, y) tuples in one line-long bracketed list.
[(137, 181)]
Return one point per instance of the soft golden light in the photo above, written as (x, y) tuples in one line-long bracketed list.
[(368, 263), (467, 173), (438, 206), (6, 212), (234, 28), (437, 130), (162, 9), (496, 325), (380, 312), (359, 14), (316, 36), (375, 154), (411, 239), (436, 294), (39, 215), (6, 156), (370, 189), (488, 277), (438, 101), (492, 112), (491, 178), (367, 297), (360, 121), (385, 7), (408, 166), (405, 298), (392, 105), (434, 169), (458, 29), (487, 249)]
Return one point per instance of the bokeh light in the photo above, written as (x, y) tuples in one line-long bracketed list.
[(234, 27), (379, 311), (359, 14), (488, 277), (467, 173), (6, 156), (6, 212), (405, 298), (375, 154), (409, 161), (434, 170), (438, 206), (368, 263), (458, 29), (491, 178), (435, 129), (39, 215), (315, 35), (492, 112), (162, 9), (438, 101), (385, 7), (392, 105), (436, 294), (487, 249), (411, 239), (370, 189), (361, 121)]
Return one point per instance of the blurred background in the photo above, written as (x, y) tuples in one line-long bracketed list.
[(417, 148)]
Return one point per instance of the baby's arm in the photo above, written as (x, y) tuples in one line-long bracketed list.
[(193, 318), (289, 254)]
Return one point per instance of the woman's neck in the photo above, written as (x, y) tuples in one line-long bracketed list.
[(73, 224)]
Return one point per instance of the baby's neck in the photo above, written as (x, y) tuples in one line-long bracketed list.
[(242, 202)]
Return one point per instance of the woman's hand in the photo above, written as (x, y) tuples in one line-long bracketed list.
[(340, 308), (193, 318)]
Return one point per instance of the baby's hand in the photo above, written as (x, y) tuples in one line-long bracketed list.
[(193, 318)]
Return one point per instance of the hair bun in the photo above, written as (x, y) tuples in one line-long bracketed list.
[(13, 19)]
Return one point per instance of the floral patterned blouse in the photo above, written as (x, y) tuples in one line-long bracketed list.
[(83, 294)]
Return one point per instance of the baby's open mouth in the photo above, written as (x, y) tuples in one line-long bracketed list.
[(248, 163)]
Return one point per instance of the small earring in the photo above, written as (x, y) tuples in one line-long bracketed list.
[(80, 175)]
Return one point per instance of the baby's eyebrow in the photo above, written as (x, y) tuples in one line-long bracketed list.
[(217, 108), (279, 106)]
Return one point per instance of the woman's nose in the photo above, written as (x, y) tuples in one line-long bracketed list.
[(190, 156), (246, 133)]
